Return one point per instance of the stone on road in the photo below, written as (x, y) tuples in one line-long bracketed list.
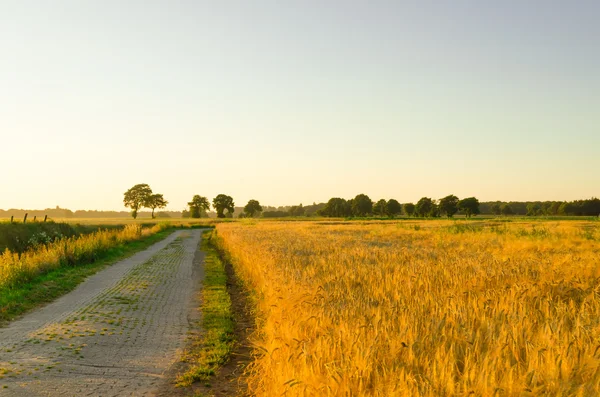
[(116, 334)]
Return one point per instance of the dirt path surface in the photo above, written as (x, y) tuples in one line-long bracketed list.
[(115, 335)]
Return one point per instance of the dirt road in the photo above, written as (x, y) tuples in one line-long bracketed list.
[(115, 335)]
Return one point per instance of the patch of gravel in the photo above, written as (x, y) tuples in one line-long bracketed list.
[(116, 334)]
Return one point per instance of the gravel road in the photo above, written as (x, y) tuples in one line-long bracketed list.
[(115, 335)]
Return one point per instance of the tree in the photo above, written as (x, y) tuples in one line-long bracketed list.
[(336, 207), (136, 197), (362, 205), (393, 208), (253, 207), (506, 209), (409, 209), (380, 207), (424, 207), (469, 206), (449, 205), (496, 209), (534, 209), (296, 210), (221, 203), (155, 201), (198, 206)]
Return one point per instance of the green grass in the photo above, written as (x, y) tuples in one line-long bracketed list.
[(49, 286), (213, 348)]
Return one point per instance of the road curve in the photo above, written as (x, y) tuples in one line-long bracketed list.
[(116, 334)]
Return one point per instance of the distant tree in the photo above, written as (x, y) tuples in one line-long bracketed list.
[(198, 206), (506, 209), (424, 207), (555, 207), (223, 202), (496, 209), (469, 206), (185, 213), (296, 210), (379, 208), (336, 207), (362, 205), (136, 197), (155, 201), (409, 209), (393, 208), (534, 209), (253, 207), (449, 205)]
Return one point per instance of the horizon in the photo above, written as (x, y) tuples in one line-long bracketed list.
[(297, 102)]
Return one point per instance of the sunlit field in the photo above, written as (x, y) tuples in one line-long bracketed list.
[(16, 268), (421, 307)]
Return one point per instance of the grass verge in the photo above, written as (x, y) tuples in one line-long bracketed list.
[(49, 286), (213, 347)]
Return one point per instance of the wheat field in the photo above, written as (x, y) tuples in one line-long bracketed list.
[(431, 308)]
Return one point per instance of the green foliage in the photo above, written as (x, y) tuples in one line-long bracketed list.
[(216, 343), (155, 201), (469, 206), (198, 206), (362, 205), (223, 202), (496, 209), (425, 207), (336, 207), (393, 208), (534, 209), (449, 205), (506, 209), (409, 209), (252, 208), (296, 210), (136, 197), (380, 207)]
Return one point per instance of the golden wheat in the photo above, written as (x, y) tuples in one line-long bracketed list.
[(421, 308)]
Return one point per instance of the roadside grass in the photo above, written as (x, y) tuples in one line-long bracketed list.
[(214, 346), (47, 287)]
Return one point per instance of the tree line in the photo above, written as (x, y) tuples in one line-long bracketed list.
[(589, 207), (362, 205)]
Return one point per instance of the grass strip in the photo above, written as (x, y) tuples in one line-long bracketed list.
[(214, 345), (49, 286)]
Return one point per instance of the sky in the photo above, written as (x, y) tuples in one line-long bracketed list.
[(293, 102)]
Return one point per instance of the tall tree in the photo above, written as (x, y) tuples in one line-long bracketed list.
[(253, 207), (136, 197), (424, 207), (379, 207), (198, 206), (223, 202), (156, 201), (362, 205), (449, 205), (336, 207), (393, 208), (409, 209), (469, 206)]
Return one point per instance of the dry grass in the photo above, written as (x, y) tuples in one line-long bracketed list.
[(16, 269), (422, 308)]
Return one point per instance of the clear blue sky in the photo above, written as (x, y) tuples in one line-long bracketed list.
[(298, 101)]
